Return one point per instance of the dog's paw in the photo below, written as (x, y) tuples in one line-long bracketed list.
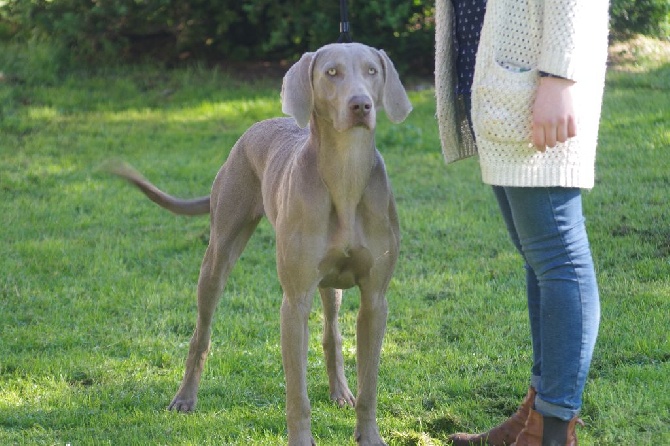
[(184, 405), (304, 439), (343, 397), (339, 391), (368, 436)]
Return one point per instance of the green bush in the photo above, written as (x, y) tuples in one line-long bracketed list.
[(173, 30), (228, 29), (34, 62), (649, 17)]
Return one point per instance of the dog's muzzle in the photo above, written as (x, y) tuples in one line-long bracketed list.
[(360, 109)]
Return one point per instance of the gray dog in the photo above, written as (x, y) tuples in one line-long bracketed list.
[(321, 182)]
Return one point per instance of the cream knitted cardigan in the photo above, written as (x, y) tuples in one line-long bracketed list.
[(519, 39)]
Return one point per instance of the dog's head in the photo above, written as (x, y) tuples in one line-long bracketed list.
[(344, 84)]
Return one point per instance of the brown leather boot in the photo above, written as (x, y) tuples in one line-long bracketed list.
[(548, 431), (502, 435)]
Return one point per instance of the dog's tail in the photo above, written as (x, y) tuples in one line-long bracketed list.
[(195, 206)]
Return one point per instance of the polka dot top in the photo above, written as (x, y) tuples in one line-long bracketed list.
[(468, 17)]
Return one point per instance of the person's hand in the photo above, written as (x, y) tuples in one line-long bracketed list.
[(553, 113)]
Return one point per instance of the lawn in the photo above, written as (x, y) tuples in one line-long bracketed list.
[(97, 290)]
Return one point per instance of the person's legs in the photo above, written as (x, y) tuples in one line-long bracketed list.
[(532, 287), (564, 308)]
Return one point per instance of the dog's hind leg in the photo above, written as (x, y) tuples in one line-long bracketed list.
[(235, 214), (216, 266), (332, 348)]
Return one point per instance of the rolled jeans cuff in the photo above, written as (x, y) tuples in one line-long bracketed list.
[(549, 409)]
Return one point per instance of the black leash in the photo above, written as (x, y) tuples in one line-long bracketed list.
[(345, 37)]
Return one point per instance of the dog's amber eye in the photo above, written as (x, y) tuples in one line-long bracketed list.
[(372, 70), (332, 71)]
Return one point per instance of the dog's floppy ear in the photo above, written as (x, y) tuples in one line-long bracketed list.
[(296, 92), (395, 100)]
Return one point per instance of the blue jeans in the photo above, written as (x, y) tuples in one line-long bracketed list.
[(547, 227)]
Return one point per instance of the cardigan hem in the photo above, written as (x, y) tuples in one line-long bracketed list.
[(537, 176)]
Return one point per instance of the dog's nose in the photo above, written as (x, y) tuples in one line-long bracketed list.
[(360, 105)]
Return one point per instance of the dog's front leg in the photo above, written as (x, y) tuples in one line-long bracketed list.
[(370, 328), (294, 345)]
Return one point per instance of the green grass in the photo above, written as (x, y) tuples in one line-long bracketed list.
[(97, 286)]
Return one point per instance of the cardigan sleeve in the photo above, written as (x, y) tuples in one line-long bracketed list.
[(573, 32)]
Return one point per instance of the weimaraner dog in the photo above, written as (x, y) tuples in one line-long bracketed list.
[(322, 183)]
